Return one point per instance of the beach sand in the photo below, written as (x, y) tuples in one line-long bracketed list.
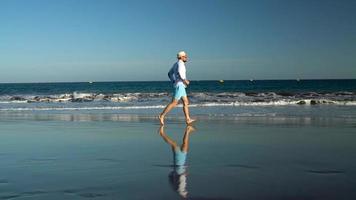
[(88, 156)]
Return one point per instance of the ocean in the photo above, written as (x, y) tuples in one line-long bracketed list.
[(285, 139), (286, 98)]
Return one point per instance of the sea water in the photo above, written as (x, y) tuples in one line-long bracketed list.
[(260, 97), (253, 140)]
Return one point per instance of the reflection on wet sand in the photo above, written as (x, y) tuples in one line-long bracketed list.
[(178, 177), (127, 117)]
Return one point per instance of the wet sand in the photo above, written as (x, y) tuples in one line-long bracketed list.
[(88, 156)]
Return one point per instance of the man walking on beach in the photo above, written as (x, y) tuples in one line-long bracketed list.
[(178, 77)]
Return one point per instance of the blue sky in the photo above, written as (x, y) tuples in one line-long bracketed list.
[(108, 40)]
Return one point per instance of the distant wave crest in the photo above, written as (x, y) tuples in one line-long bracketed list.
[(158, 100)]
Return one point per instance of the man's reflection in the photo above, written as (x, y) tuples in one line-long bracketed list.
[(178, 176)]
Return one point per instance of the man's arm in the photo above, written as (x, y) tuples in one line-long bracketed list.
[(181, 71)]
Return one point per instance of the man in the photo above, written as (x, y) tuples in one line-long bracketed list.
[(180, 82)]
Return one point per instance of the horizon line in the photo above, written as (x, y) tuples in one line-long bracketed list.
[(297, 79)]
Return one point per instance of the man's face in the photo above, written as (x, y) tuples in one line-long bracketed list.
[(184, 58)]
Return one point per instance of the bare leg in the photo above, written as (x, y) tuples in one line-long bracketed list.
[(166, 138), (168, 108), (186, 110), (185, 145)]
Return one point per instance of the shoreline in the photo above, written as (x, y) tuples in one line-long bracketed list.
[(179, 119)]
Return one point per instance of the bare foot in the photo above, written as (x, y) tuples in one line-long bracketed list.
[(189, 122), (190, 129), (161, 119)]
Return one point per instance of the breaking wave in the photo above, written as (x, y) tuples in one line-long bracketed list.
[(198, 98), (136, 101)]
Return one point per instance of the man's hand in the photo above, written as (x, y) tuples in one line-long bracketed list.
[(186, 82)]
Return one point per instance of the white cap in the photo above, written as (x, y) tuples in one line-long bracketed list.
[(180, 54)]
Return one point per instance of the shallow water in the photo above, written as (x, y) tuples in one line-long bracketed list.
[(107, 156)]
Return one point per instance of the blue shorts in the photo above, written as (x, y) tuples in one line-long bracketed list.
[(179, 157), (179, 161), (179, 92)]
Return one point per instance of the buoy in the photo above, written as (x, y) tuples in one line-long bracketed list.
[(221, 81)]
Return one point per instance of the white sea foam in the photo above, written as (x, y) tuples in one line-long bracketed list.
[(271, 103), (82, 95), (82, 108), (131, 107), (197, 98), (347, 103), (16, 101)]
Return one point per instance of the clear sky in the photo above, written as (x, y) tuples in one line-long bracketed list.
[(114, 40)]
